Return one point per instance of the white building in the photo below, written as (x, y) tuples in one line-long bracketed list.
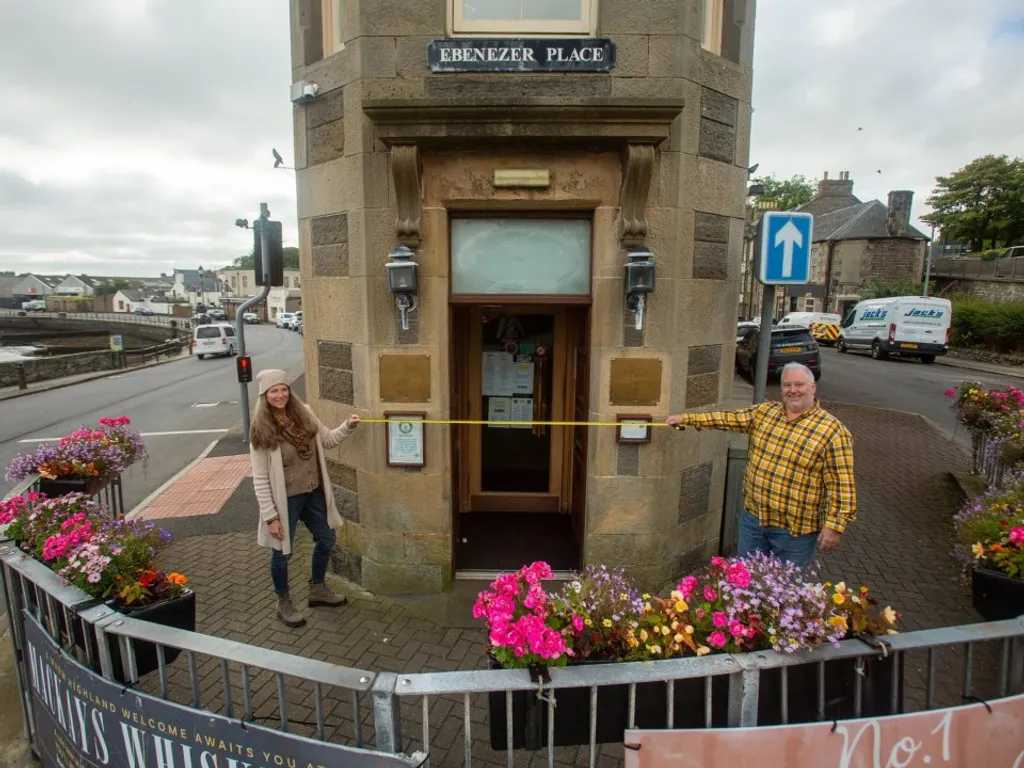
[(286, 298)]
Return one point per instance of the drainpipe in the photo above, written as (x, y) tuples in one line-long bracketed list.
[(828, 275)]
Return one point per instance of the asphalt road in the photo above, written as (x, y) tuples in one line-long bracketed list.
[(901, 385), (187, 397)]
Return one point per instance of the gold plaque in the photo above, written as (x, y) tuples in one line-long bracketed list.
[(635, 381), (405, 378), (521, 177)]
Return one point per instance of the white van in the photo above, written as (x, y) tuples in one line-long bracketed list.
[(216, 339), (904, 326), (824, 326)]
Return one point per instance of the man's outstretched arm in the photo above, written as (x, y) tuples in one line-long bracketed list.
[(730, 421)]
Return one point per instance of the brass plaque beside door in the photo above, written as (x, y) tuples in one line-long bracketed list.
[(635, 381), (405, 378)]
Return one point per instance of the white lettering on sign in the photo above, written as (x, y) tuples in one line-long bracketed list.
[(589, 54), (900, 755), (489, 54)]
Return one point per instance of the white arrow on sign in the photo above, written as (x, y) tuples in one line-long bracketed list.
[(787, 237)]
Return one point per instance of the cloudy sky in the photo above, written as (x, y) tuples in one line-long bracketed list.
[(134, 132)]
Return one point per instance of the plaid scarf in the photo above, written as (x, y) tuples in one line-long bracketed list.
[(304, 445)]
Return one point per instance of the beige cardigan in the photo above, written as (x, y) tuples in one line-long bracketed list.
[(268, 482)]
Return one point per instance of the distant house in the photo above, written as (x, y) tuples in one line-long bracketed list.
[(31, 286), (7, 282), (128, 300), (78, 285), (188, 285), (854, 243)]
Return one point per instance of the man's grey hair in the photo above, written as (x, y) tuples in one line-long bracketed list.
[(798, 367)]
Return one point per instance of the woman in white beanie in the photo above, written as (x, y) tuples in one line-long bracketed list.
[(289, 475)]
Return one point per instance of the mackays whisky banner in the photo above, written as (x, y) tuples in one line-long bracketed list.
[(83, 720)]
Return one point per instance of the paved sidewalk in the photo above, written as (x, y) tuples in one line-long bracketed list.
[(899, 547), (977, 365)]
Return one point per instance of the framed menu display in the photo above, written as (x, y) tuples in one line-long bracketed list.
[(634, 428), (405, 444)]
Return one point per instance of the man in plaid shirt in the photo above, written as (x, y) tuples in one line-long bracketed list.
[(798, 487)]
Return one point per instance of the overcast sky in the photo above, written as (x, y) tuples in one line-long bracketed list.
[(134, 132)]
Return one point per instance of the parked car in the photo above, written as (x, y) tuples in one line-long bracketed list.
[(296, 318), (144, 311), (217, 315), (901, 326), (789, 344), (284, 319), (824, 326), (34, 306), (251, 318), (215, 339), (745, 328)]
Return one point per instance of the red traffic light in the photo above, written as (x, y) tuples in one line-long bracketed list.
[(244, 367)]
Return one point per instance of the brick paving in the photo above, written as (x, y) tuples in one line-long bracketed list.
[(899, 547), (202, 490)]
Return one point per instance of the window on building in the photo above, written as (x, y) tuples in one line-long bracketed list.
[(245, 281), (233, 283), (332, 23), (295, 282), (572, 17), (723, 22), (808, 305)]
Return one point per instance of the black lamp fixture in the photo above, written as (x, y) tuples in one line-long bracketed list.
[(402, 281), (640, 277)]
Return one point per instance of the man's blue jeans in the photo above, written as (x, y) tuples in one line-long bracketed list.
[(778, 541), (311, 509)]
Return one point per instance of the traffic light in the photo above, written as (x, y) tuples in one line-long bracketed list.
[(244, 366), (274, 255)]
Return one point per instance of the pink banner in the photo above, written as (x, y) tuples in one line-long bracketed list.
[(965, 737)]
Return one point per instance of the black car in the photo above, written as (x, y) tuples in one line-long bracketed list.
[(790, 344)]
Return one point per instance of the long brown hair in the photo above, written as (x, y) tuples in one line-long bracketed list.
[(265, 435)]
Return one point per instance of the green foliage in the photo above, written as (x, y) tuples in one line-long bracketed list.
[(997, 327), (787, 193), (881, 289), (291, 260), (983, 202)]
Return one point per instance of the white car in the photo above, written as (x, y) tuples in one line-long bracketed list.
[(296, 321), (215, 339), (251, 318), (284, 319)]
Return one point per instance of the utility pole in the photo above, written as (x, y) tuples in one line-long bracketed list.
[(268, 262)]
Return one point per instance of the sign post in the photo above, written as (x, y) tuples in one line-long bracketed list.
[(783, 246)]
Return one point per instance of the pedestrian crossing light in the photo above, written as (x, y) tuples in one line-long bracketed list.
[(244, 365), (639, 281)]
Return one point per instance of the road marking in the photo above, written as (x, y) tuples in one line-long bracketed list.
[(205, 405), (149, 499), (143, 434)]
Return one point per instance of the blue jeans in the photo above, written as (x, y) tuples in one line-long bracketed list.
[(311, 509), (755, 537)]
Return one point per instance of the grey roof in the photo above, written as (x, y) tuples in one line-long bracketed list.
[(865, 221), (132, 295)]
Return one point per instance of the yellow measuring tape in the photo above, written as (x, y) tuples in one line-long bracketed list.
[(509, 423)]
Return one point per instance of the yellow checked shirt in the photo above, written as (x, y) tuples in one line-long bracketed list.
[(799, 473)]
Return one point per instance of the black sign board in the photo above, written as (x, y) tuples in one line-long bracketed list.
[(519, 55), (84, 720)]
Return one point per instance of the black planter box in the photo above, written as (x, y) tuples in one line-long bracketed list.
[(178, 612), (995, 595), (572, 713), (62, 486)]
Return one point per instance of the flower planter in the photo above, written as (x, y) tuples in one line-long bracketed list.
[(995, 595), (572, 713), (62, 486), (178, 612)]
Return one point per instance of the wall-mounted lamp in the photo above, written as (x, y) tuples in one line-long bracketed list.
[(402, 281), (640, 269)]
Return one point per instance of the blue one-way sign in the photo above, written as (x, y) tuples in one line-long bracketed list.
[(785, 248)]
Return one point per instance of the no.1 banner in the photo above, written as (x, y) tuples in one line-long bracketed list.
[(972, 736), (85, 721)]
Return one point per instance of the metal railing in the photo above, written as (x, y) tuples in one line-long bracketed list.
[(254, 683), (110, 496), (987, 460), (120, 317), (1002, 269)]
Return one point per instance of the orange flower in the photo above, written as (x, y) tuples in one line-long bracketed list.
[(177, 578)]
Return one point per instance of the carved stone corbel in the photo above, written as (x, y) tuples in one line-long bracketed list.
[(638, 167), (406, 172)]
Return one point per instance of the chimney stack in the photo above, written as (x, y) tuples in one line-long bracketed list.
[(897, 223), (841, 187)]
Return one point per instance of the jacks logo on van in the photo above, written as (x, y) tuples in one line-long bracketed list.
[(924, 313), (875, 314)]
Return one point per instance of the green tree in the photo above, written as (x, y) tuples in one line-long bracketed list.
[(983, 202), (786, 194), (112, 287), (291, 260)]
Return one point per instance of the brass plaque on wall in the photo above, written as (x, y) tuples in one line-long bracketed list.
[(405, 378), (635, 381)]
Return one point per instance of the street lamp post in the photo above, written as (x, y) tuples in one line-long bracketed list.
[(202, 293)]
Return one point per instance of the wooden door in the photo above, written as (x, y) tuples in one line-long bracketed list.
[(578, 382)]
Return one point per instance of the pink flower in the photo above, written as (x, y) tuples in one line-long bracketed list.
[(717, 639), (687, 586), (1017, 536), (700, 613), (735, 628), (950, 392), (710, 594), (720, 619), (577, 623), (738, 575), (718, 562)]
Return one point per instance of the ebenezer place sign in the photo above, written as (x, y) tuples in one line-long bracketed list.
[(517, 55)]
